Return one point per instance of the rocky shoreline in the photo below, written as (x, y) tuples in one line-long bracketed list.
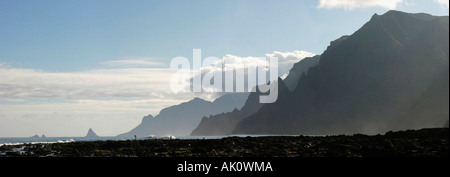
[(411, 143)]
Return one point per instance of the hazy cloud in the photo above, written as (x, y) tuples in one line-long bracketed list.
[(287, 59), (353, 4), (74, 118), (111, 101), (118, 83), (138, 83), (285, 62), (3, 64), (133, 61), (443, 2)]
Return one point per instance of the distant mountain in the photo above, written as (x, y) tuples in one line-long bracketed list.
[(369, 82), (300, 68), (180, 120), (91, 134), (38, 137), (224, 124)]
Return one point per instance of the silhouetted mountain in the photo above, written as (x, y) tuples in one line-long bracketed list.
[(180, 120), (91, 134), (224, 124), (366, 82), (300, 68), (433, 104)]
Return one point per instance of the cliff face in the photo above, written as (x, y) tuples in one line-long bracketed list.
[(431, 108), (366, 82), (300, 68)]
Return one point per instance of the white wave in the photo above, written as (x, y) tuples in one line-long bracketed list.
[(39, 142)]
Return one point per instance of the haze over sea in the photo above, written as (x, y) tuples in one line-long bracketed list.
[(47, 140)]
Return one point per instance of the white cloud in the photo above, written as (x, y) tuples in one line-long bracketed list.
[(443, 2), (287, 59), (111, 101), (284, 76), (353, 4), (133, 61), (74, 118), (138, 83), (285, 62), (410, 3)]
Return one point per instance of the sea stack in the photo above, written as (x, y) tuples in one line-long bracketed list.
[(91, 134)]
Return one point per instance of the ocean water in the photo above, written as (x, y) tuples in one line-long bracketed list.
[(47, 140)]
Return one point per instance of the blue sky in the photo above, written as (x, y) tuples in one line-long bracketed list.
[(69, 35), (70, 65)]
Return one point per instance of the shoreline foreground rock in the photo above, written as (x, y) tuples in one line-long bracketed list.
[(411, 143)]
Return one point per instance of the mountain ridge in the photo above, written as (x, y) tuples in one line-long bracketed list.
[(363, 83), (181, 119), (224, 124)]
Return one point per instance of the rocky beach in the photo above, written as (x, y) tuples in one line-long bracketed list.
[(410, 143)]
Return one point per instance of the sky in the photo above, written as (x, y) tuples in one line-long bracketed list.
[(70, 65)]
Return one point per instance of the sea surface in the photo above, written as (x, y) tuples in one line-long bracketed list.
[(33, 140), (39, 140)]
